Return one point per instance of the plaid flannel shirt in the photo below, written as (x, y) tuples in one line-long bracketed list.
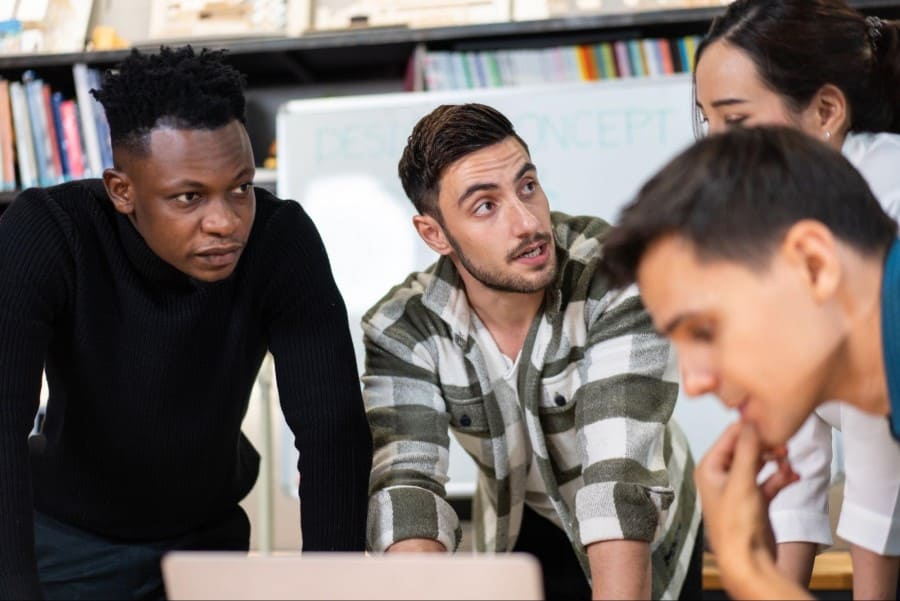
[(614, 462)]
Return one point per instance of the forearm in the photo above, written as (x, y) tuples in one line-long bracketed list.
[(620, 569), (795, 560), (874, 575), (755, 576), (417, 545)]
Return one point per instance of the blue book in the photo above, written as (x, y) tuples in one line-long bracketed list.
[(55, 100), (100, 121), (40, 137)]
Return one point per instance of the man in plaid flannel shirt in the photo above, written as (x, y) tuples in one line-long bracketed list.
[(555, 384)]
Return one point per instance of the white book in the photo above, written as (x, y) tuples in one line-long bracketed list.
[(24, 144), (88, 125)]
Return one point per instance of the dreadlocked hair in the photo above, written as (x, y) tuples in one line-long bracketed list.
[(175, 88)]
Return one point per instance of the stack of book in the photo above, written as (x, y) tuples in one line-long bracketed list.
[(46, 139), (647, 57)]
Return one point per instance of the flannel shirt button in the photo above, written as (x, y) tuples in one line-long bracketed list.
[(560, 400), (465, 421)]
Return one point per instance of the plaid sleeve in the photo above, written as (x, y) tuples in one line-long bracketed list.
[(624, 406), (409, 424)]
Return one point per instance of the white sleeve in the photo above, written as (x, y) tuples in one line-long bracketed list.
[(800, 511), (877, 162), (870, 512)]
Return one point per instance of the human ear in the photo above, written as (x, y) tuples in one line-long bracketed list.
[(812, 248), (829, 113), (119, 188), (432, 233)]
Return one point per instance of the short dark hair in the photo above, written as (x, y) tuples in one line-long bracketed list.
[(446, 134), (798, 46), (174, 88), (734, 195)]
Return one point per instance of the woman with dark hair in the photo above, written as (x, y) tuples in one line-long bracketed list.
[(823, 68)]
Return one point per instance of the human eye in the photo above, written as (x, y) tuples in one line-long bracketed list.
[(243, 190), (700, 332), (483, 207), (187, 198), (529, 187), (734, 120)]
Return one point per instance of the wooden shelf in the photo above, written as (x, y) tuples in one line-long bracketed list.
[(832, 571), (372, 52)]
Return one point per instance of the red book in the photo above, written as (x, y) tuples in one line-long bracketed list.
[(68, 114), (51, 133), (7, 151)]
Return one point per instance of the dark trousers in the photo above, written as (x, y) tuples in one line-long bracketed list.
[(563, 576), (74, 564)]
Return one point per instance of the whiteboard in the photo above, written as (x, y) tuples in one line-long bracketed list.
[(594, 144)]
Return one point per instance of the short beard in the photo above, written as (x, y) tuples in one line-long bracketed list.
[(502, 282)]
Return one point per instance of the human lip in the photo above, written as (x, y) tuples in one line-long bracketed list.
[(534, 253), (220, 256)]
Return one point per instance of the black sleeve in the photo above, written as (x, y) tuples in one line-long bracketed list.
[(32, 289), (318, 382)]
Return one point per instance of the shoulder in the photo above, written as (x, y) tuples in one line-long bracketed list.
[(404, 317), (278, 216), (41, 213), (581, 236), (877, 156), (873, 152)]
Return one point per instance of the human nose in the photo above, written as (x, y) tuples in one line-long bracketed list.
[(524, 222), (697, 376), (220, 218)]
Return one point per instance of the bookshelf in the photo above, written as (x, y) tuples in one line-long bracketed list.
[(375, 59)]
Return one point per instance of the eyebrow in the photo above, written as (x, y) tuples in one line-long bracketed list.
[(525, 168), (724, 102), (240, 175), (672, 325)]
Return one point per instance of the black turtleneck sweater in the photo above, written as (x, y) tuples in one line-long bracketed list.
[(150, 373)]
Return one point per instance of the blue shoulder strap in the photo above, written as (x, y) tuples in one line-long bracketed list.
[(890, 332)]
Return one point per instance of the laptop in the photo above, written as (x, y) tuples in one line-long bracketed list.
[(235, 575)]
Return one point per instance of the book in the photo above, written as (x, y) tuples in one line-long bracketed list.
[(40, 129), (28, 172), (100, 122), (59, 172), (623, 59), (68, 116), (7, 150), (94, 162)]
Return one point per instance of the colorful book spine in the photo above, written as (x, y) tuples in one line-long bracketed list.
[(623, 59), (94, 162), (68, 116), (7, 149), (28, 173)]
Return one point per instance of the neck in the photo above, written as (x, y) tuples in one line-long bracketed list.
[(859, 378), (507, 315)]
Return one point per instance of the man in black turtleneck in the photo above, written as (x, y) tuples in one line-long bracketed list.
[(151, 297)]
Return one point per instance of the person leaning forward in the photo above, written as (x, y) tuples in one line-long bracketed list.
[(152, 297), (553, 383)]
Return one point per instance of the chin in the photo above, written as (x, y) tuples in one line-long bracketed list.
[(212, 277)]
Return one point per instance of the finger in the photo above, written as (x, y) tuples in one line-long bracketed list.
[(783, 476), (719, 455), (775, 453), (747, 453)]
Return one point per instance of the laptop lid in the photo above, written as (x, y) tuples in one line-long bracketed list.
[(235, 575)]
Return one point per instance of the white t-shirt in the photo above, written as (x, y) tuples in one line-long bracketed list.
[(870, 511)]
